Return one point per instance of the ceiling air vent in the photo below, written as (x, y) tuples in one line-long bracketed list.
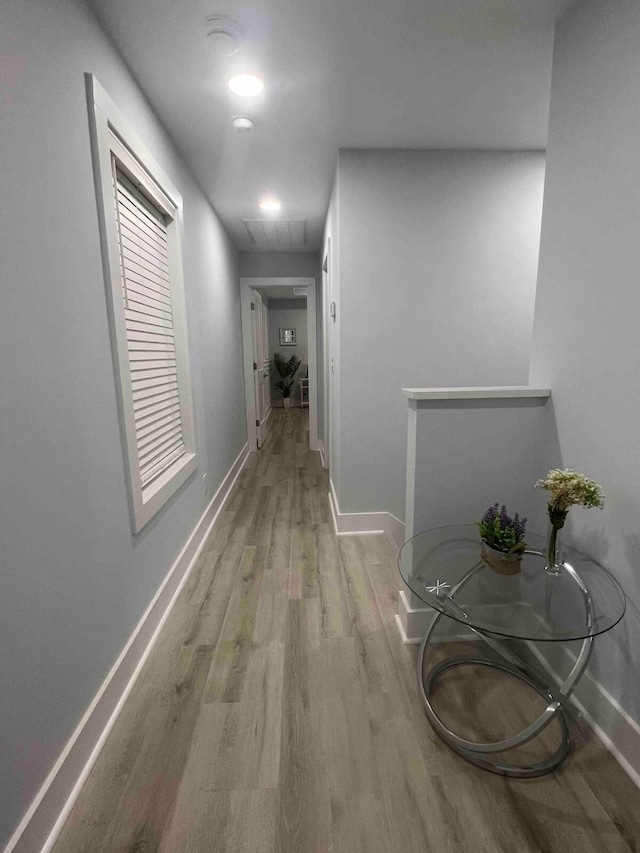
[(277, 233)]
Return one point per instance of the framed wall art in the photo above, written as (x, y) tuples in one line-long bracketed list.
[(287, 337)]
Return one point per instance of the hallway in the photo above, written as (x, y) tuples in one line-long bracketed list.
[(277, 713)]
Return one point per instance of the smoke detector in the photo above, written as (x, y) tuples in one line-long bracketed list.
[(223, 35), (242, 123)]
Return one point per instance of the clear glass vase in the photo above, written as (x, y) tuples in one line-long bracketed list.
[(553, 555)]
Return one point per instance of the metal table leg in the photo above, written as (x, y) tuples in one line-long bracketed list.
[(479, 753)]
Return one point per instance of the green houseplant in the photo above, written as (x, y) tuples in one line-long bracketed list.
[(287, 369), (502, 540)]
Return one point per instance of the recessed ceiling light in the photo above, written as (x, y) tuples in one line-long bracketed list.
[(270, 204), (247, 85), (242, 123)]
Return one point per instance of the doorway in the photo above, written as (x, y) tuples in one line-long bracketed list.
[(261, 363), (328, 320), (257, 355)]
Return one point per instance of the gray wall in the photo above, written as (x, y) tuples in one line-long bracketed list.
[(278, 264), (437, 280), (74, 581), (288, 314), (472, 453), (585, 342)]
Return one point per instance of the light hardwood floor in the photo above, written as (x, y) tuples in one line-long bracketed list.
[(278, 711)]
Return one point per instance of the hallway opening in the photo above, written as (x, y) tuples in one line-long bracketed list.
[(260, 337)]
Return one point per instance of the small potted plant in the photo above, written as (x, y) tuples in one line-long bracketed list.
[(567, 488), (287, 369), (502, 540)]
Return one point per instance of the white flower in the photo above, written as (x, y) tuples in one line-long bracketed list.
[(569, 488)]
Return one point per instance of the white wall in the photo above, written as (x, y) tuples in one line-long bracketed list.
[(288, 314), (74, 581), (331, 332), (438, 259), (585, 342)]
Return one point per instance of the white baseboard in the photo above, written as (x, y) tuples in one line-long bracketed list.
[(626, 734), (617, 730), (359, 523), (322, 453), (43, 821), (411, 641), (406, 641), (413, 622)]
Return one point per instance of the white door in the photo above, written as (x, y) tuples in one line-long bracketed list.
[(259, 349), (266, 358), (328, 322)]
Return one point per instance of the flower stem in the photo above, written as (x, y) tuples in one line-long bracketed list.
[(551, 549), (557, 519)]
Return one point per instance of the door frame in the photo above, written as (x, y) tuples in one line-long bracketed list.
[(327, 320), (259, 351), (247, 285)]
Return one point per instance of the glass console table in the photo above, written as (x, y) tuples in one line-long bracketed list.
[(444, 569)]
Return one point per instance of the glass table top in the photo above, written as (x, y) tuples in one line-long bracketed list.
[(583, 600)]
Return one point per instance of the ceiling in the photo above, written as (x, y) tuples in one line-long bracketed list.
[(338, 73), (283, 292)]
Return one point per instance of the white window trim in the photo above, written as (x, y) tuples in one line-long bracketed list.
[(105, 121)]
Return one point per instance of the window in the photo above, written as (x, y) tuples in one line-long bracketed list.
[(140, 214)]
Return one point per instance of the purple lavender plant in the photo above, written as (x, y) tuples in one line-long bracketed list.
[(502, 532)]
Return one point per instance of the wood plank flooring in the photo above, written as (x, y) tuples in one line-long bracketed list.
[(278, 711)]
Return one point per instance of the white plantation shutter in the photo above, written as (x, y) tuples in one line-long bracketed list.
[(151, 345), (140, 219)]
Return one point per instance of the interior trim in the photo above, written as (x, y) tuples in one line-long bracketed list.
[(43, 821), (359, 523)]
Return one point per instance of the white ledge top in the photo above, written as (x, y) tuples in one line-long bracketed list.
[(492, 392)]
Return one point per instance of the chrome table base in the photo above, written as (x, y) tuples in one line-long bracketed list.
[(480, 753)]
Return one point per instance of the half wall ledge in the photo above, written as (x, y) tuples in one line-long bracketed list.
[(466, 448), (490, 392)]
